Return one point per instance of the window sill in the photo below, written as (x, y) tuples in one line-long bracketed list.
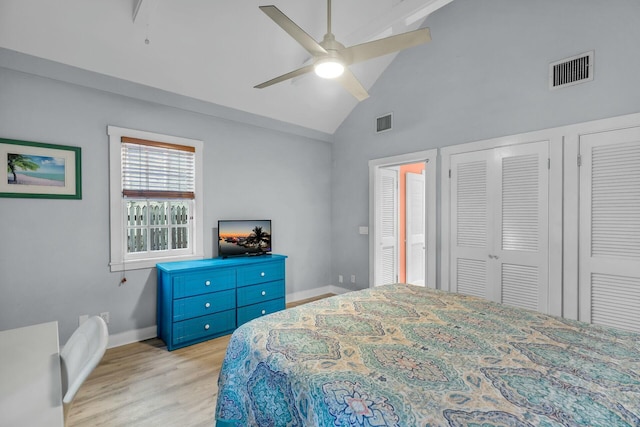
[(149, 262)]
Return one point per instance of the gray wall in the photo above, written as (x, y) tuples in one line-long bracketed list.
[(484, 75), (54, 254)]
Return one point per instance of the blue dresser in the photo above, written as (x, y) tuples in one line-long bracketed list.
[(205, 299)]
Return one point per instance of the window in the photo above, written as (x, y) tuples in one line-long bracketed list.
[(156, 203)]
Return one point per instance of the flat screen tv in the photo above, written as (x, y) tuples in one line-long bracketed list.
[(244, 237)]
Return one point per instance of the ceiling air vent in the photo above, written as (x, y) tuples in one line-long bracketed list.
[(383, 123), (571, 71)]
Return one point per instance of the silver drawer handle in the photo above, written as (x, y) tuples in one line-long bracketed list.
[(262, 274), (264, 311), (207, 305), (264, 293), (206, 327), (207, 283)]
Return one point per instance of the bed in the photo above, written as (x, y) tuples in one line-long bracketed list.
[(403, 355)]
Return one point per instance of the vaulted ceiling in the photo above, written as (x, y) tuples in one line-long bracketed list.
[(214, 51)]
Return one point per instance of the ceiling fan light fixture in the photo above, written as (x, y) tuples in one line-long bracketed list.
[(330, 57), (329, 68)]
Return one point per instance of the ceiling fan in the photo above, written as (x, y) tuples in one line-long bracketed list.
[(331, 58)]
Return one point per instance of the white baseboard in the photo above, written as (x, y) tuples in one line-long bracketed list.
[(135, 335), (329, 289), (128, 337)]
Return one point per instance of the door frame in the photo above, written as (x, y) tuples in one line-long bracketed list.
[(555, 138), (430, 157)]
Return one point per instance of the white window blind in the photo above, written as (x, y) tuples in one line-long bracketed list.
[(153, 169)]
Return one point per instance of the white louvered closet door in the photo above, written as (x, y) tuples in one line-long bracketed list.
[(471, 227), (610, 229), (499, 224), (521, 251), (387, 246)]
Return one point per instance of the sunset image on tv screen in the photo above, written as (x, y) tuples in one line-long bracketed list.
[(244, 237)]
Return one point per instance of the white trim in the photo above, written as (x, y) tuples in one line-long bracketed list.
[(312, 293), (570, 232), (487, 144), (445, 219), (149, 262), (554, 295), (430, 157), (117, 262)]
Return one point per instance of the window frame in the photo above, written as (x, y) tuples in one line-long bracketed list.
[(119, 260)]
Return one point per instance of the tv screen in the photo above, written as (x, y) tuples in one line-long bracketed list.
[(244, 237)]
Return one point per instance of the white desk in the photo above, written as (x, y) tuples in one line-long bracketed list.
[(30, 380)]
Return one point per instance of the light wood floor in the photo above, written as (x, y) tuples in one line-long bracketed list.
[(143, 384)]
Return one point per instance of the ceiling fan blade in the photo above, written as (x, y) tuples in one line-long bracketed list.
[(351, 83), (290, 75), (305, 40), (369, 50)]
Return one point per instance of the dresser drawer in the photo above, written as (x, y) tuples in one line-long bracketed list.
[(200, 305), (263, 292), (205, 281), (251, 312), (261, 273), (200, 327)]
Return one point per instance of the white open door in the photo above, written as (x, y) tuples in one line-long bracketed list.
[(415, 228), (386, 257), (609, 260)]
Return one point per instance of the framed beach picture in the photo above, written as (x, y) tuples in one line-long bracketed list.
[(39, 170)]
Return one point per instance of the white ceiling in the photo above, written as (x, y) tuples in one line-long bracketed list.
[(211, 50)]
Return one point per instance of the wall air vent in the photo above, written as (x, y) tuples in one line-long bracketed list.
[(383, 123), (571, 71)]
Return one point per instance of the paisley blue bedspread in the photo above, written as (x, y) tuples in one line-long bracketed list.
[(402, 355)]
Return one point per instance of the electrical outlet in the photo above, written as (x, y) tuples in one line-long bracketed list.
[(340, 278), (353, 278), (82, 319), (105, 316)]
